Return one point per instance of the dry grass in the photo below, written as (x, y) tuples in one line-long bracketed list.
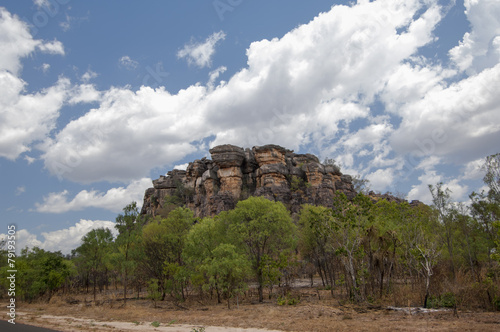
[(311, 314)]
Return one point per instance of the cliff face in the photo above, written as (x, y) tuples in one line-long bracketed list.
[(210, 186)]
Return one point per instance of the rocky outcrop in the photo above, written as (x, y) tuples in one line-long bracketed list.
[(211, 186)]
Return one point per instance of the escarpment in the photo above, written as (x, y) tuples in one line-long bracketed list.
[(210, 186)]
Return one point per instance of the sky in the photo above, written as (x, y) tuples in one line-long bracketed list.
[(99, 98)]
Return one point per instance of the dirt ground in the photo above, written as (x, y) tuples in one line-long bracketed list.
[(78, 313)]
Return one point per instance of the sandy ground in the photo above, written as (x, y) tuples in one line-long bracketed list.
[(67, 323)]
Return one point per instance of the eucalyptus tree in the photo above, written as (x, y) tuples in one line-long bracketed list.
[(128, 247), (93, 252), (267, 233)]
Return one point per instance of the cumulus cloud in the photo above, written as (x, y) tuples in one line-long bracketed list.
[(54, 47), (27, 118), (63, 240), (24, 118), (200, 54), (303, 88), (460, 121), (16, 42), (480, 47), (84, 93), (114, 199), (127, 63), (89, 75), (214, 75)]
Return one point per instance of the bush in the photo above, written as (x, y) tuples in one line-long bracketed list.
[(446, 300)]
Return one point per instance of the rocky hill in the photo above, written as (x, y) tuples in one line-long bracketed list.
[(210, 186)]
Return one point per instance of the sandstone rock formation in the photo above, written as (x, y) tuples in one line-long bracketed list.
[(210, 186)]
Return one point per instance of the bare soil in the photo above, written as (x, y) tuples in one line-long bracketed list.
[(79, 313)]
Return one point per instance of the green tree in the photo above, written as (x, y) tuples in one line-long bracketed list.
[(128, 251), (163, 244), (492, 176), (420, 244), (40, 273), (227, 270), (316, 241), (442, 203), (265, 229), (201, 242), (350, 222), (93, 252)]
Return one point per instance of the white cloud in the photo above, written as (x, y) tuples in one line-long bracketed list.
[(24, 118), (303, 88), (20, 190), (41, 3), (54, 47), (474, 169), (89, 75), (181, 167), (45, 67), (63, 240), (381, 179), (84, 93), (214, 75), (114, 199), (16, 42), (479, 48), (460, 121), (127, 63), (200, 54), (29, 159)]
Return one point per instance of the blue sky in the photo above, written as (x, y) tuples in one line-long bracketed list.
[(99, 98)]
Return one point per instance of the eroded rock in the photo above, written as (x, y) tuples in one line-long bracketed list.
[(211, 186)]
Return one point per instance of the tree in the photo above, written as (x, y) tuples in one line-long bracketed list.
[(127, 243), (485, 207), (227, 270), (419, 244), (492, 177), (40, 273), (442, 203), (201, 242), (350, 222), (163, 244), (361, 185), (316, 240), (265, 229), (94, 250)]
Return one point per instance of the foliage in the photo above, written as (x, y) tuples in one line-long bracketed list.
[(253, 225), (287, 300), (153, 291), (361, 185), (332, 162), (92, 255), (163, 243), (40, 273), (128, 251), (298, 183)]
